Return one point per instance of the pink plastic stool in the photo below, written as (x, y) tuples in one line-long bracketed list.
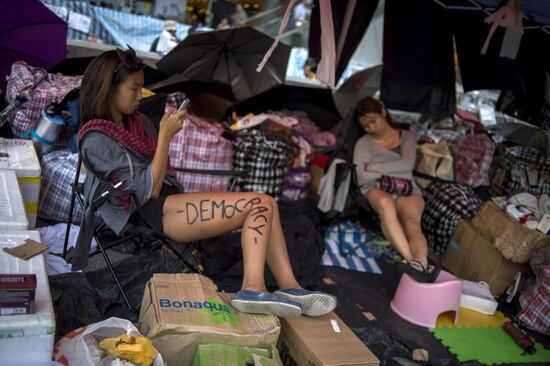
[(421, 303)]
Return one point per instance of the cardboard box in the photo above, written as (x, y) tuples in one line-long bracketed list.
[(515, 241), (225, 354), (471, 256), (181, 311), (322, 341)]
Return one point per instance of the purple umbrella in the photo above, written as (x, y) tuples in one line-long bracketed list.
[(29, 31)]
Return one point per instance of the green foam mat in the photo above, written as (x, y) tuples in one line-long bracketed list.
[(486, 345)]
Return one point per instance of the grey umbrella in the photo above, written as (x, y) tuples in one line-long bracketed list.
[(524, 134), (230, 57), (360, 85)]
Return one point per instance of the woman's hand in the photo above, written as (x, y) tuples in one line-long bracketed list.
[(171, 123)]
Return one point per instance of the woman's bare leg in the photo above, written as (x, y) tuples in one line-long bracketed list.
[(277, 253), (194, 216), (409, 212), (385, 206)]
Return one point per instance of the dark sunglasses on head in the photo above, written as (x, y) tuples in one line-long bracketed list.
[(128, 59)]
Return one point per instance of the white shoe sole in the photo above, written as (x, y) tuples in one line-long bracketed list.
[(279, 309), (312, 304)]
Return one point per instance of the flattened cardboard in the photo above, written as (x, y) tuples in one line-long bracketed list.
[(513, 240), (322, 341), (472, 257), (27, 250), (181, 311)]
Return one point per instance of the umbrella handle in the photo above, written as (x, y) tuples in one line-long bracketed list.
[(40, 79)]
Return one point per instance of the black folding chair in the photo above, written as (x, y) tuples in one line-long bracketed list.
[(135, 232), (186, 256)]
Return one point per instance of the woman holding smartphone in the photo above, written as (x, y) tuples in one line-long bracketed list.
[(116, 144)]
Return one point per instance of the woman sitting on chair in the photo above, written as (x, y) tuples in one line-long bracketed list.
[(117, 146), (384, 159)]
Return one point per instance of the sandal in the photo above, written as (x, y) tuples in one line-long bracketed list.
[(435, 271), (411, 268)]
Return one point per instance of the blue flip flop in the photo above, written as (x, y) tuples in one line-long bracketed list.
[(314, 303), (255, 302)]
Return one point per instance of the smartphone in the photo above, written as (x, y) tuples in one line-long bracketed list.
[(184, 104)]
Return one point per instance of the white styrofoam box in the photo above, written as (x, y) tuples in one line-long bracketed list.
[(20, 156), (12, 210), (26, 338), (477, 296)]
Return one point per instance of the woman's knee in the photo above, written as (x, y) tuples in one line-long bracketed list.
[(385, 204), (412, 224), (262, 203)]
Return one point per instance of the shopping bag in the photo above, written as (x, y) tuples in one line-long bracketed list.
[(81, 346), (436, 161), (201, 148)]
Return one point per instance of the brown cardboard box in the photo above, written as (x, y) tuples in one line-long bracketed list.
[(472, 257), (181, 311), (515, 241), (322, 341)]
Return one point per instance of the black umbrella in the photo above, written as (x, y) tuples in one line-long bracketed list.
[(209, 99), (524, 134), (230, 57)]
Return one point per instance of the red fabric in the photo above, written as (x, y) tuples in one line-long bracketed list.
[(535, 303), (473, 158), (321, 160), (135, 138)]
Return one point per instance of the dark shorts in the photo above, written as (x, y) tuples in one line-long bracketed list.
[(152, 210)]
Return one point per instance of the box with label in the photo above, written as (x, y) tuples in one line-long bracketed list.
[(472, 256), (181, 311), (20, 156), (27, 338), (322, 341), (513, 240), (12, 210), (17, 293)]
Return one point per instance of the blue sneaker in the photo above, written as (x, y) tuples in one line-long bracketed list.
[(255, 302), (314, 303)]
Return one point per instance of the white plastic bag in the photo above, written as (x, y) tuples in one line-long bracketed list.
[(81, 346)]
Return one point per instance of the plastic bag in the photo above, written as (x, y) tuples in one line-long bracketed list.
[(81, 346)]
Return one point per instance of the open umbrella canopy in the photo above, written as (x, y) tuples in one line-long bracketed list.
[(229, 57), (525, 135), (316, 102), (29, 31), (362, 84)]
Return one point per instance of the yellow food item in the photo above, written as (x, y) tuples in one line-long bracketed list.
[(138, 350)]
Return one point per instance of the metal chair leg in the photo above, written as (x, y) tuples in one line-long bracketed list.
[(113, 273), (185, 255), (74, 192)]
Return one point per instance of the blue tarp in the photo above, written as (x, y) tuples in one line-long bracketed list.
[(116, 27)]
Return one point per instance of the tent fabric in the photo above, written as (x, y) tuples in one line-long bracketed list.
[(360, 20), (84, 8), (418, 72)]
